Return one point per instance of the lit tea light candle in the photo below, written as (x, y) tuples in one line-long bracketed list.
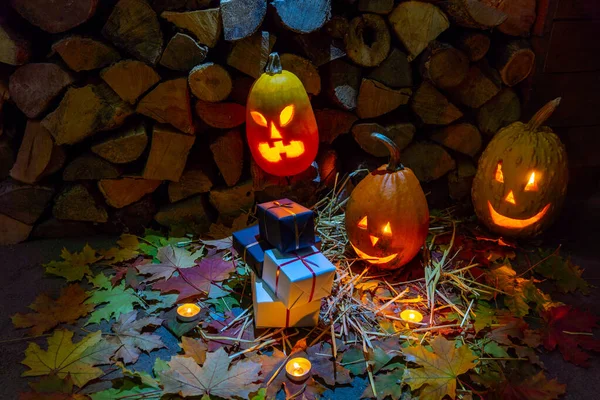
[(411, 316), (188, 312), (298, 369)]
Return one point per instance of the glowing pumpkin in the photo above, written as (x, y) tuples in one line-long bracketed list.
[(387, 217), (522, 177), (280, 123)]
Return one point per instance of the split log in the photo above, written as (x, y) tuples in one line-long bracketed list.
[(221, 115), (303, 16), (427, 160), (133, 26), (14, 48), (473, 13), (171, 5), (53, 228), (368, 40), (76, 203), (34, 154), (395, 71), (193, 181), (22, 202), (57, 161), (242, 18), (336, 27), (123, 147), (168, 154), (333, 123), (461, 179), (84, 112), (34, 86), (401, 134), (329, 166), (515, 61), (464, 138), (304, 70), (416, 24), (130, 79), (376, 6), (433, 107), (232, 202), (7, 157), (474, 44), (90, 167), (13, 231), (205, 25), (133, 218), (187, 216), (210, 82), (183, 53), (250, 55), (375, 99), (500, 111), (320, 48), (127, 190), (342, 82), (55, 16), (169, 102), (443, 65), (521, 15), (241, 88), (85, 54), (228, 152), (475, 90)]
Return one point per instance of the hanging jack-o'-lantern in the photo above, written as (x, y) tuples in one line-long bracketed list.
[(280, 123), (522, 177), (387, 217)]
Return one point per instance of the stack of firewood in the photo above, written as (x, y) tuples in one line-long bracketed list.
[(116, 114)]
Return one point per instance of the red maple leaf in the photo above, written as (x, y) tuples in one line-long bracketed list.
[(570, 330)]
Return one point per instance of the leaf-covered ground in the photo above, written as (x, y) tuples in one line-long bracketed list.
[(486, 323)]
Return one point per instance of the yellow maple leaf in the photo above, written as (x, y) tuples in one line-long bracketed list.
[(74, 265), (128, 249)]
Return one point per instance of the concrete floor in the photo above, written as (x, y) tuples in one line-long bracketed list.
[(22, 280)]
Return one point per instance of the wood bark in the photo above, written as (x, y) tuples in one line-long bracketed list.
[(329, 166), (433, 107), (187, 216), (233, 201), (368, 40), (122, 192), (90, 167), (376, 6), (342, 82), (133, 26), (474, 44), (320, 48), (221, 115), (85, 111), (250, 55), (401, 134), (395, 71), (515, 61), (416, 24), (130, 79), (473, 13), (333, 123), (76, 203), (500, 111), (173, 5), (57, 161), (461, 179), (123, 147), (14, 48), (303, 16), (169, 102), (193, 181), (205, 25), (183, 53), (34, 154), (336, 27), (521, 16), (375, 99), (13, 231), (55, 16), (242, 18), (22, 202), (476, 89), (427, 160), (304, 70), (210, 82), (228, 153), (464, 138), (443, 65), (168, 154), (85, 54)]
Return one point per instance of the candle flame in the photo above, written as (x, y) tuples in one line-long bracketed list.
[(412, 316)]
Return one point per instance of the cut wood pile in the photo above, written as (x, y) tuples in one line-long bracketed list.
[(122, 114)]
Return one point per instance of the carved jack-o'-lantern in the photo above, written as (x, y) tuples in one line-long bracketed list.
[(522, 177), (387, 217), (280, 123)]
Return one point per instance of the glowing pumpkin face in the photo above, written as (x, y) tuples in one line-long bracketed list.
[(280, 124), (521, 179)]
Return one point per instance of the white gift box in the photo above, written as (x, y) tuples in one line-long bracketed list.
[(269, 312), (299, 277)]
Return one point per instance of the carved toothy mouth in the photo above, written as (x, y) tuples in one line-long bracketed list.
[(273, 153), (514, 223), (374, 260)]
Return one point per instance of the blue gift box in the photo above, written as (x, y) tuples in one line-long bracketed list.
[(251, 248), (286, 225)]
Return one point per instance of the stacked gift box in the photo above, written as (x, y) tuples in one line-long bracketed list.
[(290, 275)]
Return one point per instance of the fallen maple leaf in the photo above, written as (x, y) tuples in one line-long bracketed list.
[(74, 265), (194, 348), (307, 390), (129, 338), (53, 388), (327, 368), (514, 328), (389, 384), (232, 332), (536, 387), (155, 301), (441, 367), (125, 272), (128, 246), (570, 330), (67, 308), (214, 378), (269, 364), (117, 300), (172, 259), (567, 276)]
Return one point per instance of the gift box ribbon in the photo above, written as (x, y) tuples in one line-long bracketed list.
[(285, 207), (307, 264), (246, 249)]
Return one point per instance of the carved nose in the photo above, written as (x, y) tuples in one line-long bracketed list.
[(374, 239), (274, 132), (510, 197)]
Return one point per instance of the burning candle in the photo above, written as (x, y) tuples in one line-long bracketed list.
[(188, 312), (298, 369), (411, 316)]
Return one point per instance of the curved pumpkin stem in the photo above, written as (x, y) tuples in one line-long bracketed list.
[(394, 164), (542, 115), (273, 64)]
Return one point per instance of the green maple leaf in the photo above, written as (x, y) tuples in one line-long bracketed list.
[(171, 259), (354, 360), (128, 249), (155, 301), (154, 240), (64, 357), (130, 340), (441, 367), (567, 276), (389, 384), (485, 316), (128, 390), (74, 266), (495, 350), (117, 300)]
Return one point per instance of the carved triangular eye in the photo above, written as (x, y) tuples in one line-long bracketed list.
[(286, 115), (387, 229), (363, 223), (532, 183), (499, 174), (258, 118)]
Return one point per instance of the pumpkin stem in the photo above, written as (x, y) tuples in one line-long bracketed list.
[(394, 164), (273, 64), (542, 115)]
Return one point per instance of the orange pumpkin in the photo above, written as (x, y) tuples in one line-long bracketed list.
[(387, 217), (280, 124)]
